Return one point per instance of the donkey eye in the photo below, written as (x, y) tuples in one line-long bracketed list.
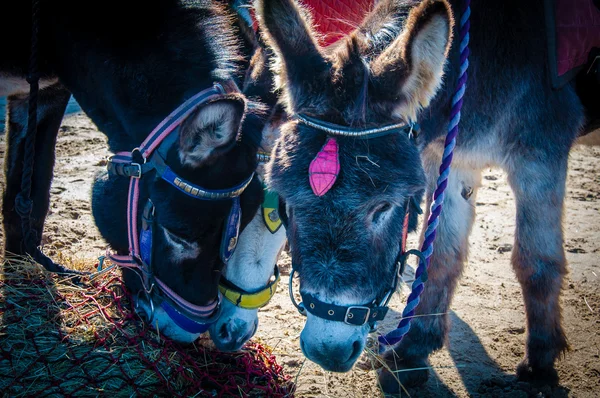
[(379, 211), (178, 236), (180, 247)]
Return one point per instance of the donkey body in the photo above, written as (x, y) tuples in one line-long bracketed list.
[(512, 119), (128, 70), (344, 243)]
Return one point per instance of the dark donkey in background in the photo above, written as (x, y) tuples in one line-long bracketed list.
[(129, 66), (344, 243)]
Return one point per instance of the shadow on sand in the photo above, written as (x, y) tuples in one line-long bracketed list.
[(481, 375)]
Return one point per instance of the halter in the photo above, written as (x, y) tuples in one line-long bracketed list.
[(257, 299), (357, 315), (150, 156), (250, 300)]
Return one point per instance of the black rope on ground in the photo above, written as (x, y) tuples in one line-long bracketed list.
[(23, 201)]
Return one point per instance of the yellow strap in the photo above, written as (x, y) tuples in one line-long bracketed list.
[(250, 301)]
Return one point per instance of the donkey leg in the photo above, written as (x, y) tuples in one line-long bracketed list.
[(52, 102), (538, 259), (428, 332)]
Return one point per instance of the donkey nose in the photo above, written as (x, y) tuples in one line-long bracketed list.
[(232, 334), (333, 345), (334, 357)]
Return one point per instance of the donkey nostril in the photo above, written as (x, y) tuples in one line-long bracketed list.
[(224, 333)]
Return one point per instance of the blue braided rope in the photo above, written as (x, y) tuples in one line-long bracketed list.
[(418, 285)]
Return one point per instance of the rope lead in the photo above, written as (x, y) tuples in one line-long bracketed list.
[(418, 285)]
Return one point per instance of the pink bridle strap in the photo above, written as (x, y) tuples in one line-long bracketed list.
[(152, 141), (201, 311), (178, 115)]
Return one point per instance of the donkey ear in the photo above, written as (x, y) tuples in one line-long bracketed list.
[(410, 70), (299, 64), (210, 130), (381, 27)]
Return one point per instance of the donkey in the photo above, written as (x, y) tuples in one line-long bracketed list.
[(127, 79), (344, 235), (251, 276)]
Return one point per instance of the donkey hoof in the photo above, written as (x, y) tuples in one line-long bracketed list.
[(537, 375), (402, 374), (13, 249)]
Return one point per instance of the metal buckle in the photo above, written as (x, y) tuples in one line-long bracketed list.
[(350, 315), (138, 174), (135, 155), (373, 327), (150, 302)]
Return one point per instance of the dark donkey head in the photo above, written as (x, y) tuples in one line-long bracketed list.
[(345, 242), (150, 66)]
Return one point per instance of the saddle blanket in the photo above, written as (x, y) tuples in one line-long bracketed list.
[(334, 19), (577, 32), (573, 29)]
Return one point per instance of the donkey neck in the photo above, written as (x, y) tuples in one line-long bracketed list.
[(129, 75)]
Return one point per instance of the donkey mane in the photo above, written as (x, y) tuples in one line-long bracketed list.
[(220, 38)]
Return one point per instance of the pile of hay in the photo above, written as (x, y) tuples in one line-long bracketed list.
[(57, 338)]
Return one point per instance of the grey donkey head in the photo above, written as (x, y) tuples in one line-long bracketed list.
[(344, 243)]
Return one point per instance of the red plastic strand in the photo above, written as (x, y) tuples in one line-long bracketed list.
[(177, 370)]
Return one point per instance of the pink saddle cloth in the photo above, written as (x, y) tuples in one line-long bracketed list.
[(573, 31), (577, 32), (573, 28)]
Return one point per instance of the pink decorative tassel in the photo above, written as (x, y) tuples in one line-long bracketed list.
[(324, 168)]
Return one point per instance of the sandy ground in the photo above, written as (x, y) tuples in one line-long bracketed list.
[(488, 333)]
